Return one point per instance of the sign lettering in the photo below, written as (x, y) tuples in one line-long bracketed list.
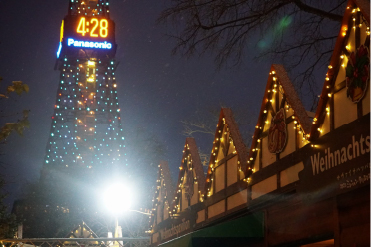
[(89, 44), (323, 162), (175, 230), (337, 162)]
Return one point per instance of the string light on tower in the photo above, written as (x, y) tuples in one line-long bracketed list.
[(86, 132)]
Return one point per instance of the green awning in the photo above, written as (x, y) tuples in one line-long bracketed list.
[(231, 233)]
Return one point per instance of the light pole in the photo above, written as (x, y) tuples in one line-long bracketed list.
[(118, 199)]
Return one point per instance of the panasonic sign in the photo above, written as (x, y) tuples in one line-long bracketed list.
[(89, 44)]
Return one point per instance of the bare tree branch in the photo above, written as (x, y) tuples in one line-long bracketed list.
[(294, 32), (318, 12), (190, 128)]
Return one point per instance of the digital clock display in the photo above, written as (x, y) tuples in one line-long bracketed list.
[(87, 32), (93, 27)]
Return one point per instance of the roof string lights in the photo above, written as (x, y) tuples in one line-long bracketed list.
[(329, 82)]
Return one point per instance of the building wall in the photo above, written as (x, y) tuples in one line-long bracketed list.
[(293, 218), (345, 218)]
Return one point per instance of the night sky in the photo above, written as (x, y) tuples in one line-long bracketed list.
[(156, 90)]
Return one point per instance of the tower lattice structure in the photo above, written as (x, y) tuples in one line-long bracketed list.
[(86, 134)]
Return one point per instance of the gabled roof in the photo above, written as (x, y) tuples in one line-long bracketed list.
[(335, 62), (190, 148), (169, 186), (278, 73), (226, 117), (190, 145), (292, 97), (163, 173)]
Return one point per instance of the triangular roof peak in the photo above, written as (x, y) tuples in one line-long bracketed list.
[(164, 192), (226, 132), (281, 107), (191, 146), (291, 96), (353, 25), (191, 178), (164, 173), (279, 74)]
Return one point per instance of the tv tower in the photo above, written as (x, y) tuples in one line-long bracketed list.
[(86, 135)]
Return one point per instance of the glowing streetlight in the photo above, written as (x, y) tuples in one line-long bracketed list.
[(117, 198)]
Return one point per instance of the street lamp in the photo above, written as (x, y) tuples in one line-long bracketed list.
[(118, 199)]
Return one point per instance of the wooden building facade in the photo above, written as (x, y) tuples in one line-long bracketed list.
[(305, 180)]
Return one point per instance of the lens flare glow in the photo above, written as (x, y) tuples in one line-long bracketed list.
[(117, 198)]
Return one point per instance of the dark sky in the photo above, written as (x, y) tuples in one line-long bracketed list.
[(156, 90)]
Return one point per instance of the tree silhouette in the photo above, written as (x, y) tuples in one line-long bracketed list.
[(17, 87), (298, 33)]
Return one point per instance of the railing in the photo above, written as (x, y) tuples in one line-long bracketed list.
[(76, 242)]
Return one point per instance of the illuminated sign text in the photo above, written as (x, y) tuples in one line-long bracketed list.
[(89, 44), (355, 148), (94, 27), (175, 230)]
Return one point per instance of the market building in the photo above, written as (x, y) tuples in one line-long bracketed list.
[(305, 179)]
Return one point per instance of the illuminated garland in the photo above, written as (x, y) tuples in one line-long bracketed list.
[(330, 79), (219, 137), (269, 100), (156, 199)]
